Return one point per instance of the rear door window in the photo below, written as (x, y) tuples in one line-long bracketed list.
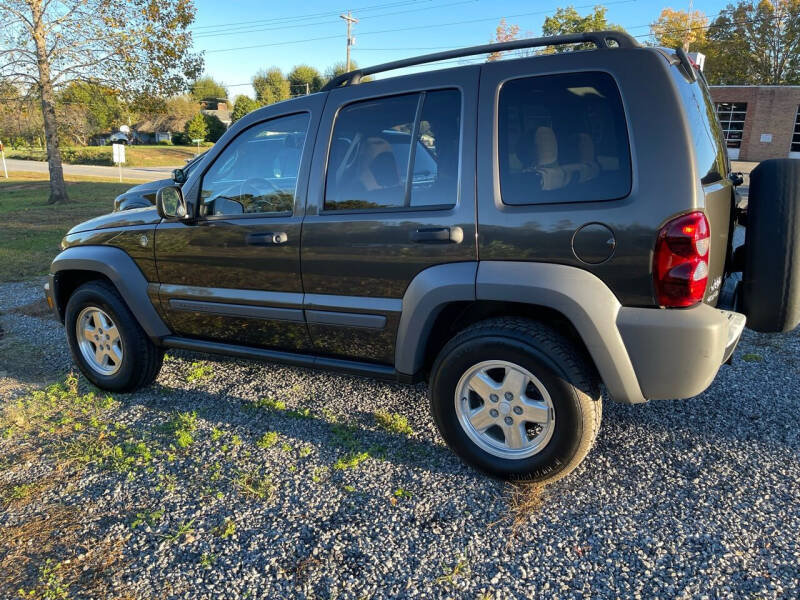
[(394, 153), (562, 138)]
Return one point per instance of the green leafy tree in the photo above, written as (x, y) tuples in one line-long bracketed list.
[(271, 86), (242, 106), (568, 20), (86, 108), (196, 127), (304, 77), (138, 46), (340, 68), (206, 87), (215, 128), (755, 43)]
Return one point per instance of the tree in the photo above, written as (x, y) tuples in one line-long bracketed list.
[(242, 106), (679, 28), (206, 87), (84, 109), (140, 46), (305, 78), (271, 86), (215, 128), (727, 54), (340, 68), (755, 44), (20, 118), (568, 20), (503, 33), (196, 128)]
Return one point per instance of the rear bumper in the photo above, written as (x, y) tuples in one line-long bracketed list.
[(676, 353)]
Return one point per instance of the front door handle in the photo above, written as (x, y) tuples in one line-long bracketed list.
[(438, 235), (267, 239)]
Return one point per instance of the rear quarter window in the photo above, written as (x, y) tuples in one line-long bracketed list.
[(707, 137), (562, 138)]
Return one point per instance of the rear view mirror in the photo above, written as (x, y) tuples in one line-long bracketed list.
[(179, 176), (170, 203)]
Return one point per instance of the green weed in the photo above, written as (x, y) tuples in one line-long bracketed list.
[(182, 426), (350, 460), (269, 403), (254, 484), (207, 560), (225, 529), (198, 371), (151, 518), (393, 423), (268, 440)]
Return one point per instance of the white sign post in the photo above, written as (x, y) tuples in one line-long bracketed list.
[(119, 157), (3, 154), (197, 141)]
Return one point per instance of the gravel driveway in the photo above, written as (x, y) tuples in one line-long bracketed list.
[(237, 479)]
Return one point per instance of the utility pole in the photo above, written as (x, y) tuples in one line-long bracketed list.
[(350, 40)]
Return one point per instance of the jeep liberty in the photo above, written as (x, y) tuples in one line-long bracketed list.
[(527, 235)]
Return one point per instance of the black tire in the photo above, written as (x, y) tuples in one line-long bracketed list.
[(571, 382), (771, 277), (141, 358)]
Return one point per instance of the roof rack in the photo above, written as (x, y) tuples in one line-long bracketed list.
[(598, 38)]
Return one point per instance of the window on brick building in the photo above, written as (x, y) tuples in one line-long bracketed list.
[(795, 149), (731, 117)]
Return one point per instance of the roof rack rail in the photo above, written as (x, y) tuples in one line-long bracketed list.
[(598, 38)]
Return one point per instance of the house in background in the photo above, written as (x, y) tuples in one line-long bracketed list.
[(217, 107)]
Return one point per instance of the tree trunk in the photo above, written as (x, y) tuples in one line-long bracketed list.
[(58, 189)]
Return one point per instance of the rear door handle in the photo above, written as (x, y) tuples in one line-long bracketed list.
[(267, 239), (438, 235)]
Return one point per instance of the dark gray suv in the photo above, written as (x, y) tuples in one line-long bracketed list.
[(522, 234)]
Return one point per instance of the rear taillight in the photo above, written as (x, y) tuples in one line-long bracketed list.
[(680, 262)]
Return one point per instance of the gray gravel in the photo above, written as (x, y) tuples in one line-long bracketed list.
[(695, 498)]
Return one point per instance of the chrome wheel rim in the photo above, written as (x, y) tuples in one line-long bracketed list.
[(504, 409), (99, 340)]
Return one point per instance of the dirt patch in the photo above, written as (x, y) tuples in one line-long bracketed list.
[(23, 361), (48, 553), (38, 309)]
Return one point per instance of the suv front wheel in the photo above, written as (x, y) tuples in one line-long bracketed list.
[(106, 341), (515, 399)]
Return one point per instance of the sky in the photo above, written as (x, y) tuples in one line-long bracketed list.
[(239, 37)]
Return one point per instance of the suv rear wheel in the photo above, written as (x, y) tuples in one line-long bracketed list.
[(514, 398), (106, 342)]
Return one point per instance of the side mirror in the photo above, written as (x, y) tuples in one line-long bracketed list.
[(170, 203), (179, 176)]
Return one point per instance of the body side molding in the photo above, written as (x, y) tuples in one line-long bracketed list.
[(121, 269)]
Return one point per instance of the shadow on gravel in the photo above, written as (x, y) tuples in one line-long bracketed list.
[(356, 435)]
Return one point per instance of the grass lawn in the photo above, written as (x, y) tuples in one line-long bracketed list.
[(135, 156), (31, 230)]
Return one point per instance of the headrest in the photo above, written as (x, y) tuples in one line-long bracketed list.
[(546, 146)]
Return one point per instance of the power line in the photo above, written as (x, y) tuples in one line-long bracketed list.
[(259, 28), (305, 17), (414, 28)]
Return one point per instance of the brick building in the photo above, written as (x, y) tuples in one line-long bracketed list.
[(759, 121)]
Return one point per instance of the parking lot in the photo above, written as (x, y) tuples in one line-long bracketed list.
[(236, 479)]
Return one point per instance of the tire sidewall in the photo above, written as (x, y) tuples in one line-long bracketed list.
[(97, 296), (568, 428)]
